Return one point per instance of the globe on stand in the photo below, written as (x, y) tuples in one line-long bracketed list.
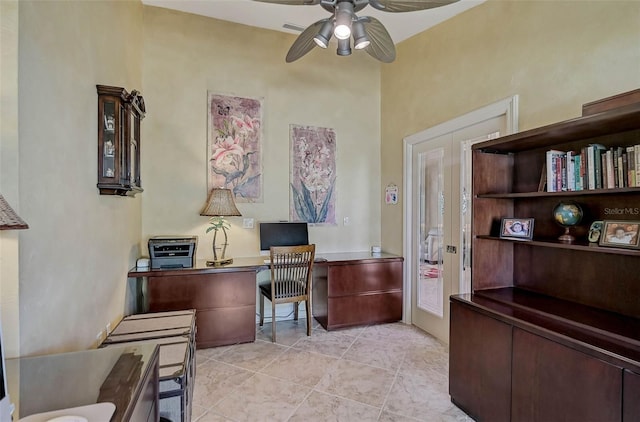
[(567, 214)]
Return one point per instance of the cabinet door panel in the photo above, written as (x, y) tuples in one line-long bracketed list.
[(631, 399), (552, 382), (480, 364), (217, 327)]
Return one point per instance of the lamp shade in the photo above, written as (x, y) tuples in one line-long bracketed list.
[(344, 47), (220, 203), (360, 39), (323, 37), (9, 220)]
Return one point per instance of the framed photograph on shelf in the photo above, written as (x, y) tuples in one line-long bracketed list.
[(620, 234), (516, 228)]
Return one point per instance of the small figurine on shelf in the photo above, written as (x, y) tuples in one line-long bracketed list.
[(109, 123), (109, 172), (595, 231), (109, 150)]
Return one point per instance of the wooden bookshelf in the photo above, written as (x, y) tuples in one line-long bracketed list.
[(551, 329)]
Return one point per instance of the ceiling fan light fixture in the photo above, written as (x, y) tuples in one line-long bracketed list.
[(344, 47), (360, 39), (344, 17), (324, 35), (342, 32)]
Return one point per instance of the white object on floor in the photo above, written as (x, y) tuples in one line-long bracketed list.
[(99, 412)]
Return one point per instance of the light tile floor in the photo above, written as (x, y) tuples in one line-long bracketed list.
[(388, 372)]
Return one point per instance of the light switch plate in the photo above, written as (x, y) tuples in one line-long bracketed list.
[(247, 223)]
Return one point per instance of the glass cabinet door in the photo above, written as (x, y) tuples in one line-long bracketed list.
[(109, 143)]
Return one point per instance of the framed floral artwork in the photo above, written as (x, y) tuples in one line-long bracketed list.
[(312, 174), (234, 146)]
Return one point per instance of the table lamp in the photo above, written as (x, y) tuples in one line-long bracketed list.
[(219, 205), (9, 220)]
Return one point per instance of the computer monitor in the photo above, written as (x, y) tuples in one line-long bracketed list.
[(282, 234)]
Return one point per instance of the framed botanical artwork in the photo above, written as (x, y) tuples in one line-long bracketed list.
[(620, 234), (312, 174), (517, 228), (234, 146)]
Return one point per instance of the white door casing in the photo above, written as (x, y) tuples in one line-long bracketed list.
[(460, 132)]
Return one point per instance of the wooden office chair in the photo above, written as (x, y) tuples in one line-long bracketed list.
[(290, 281)]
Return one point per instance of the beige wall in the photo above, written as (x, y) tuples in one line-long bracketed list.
[(9, 274), (75, 256), (555, 55), (187, 55)]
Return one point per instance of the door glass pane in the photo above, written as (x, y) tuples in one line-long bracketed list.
[(431, 188)]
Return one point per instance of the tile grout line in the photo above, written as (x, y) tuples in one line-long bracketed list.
[(393, 383)]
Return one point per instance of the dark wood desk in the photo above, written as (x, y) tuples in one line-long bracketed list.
[(352, 288), (124, 375), (224, 298)]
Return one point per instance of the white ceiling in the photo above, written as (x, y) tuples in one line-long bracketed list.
[(272, 16)]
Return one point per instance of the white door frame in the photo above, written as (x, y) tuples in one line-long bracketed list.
[(507, 107)]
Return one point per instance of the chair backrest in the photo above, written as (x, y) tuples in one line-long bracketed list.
[(291, 271)]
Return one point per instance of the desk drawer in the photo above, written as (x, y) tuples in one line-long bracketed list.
[(364, 309), (364, 277)]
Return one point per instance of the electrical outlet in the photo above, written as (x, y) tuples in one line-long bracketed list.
[(100, 336), (346, 221)]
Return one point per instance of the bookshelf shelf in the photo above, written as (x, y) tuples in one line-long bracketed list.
[(581, 128), (576, 246), (515, 195)]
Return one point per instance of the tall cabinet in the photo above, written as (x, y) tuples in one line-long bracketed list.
[(551, 330)]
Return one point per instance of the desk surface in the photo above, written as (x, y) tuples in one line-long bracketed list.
[(51, 382), (257, 263)]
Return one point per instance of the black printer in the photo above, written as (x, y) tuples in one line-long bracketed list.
[(172, 252)]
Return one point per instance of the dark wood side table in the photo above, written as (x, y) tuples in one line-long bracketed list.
[(124, 375)]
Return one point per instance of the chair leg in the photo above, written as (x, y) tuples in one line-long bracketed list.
[(273, 322), (309, 316), (295, 310), (261, 310)]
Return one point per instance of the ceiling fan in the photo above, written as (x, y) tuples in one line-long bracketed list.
[(367, 32)]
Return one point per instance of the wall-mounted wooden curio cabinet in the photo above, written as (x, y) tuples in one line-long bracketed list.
[(119, 117)]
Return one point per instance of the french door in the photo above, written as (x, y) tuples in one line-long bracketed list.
[(437, 212)]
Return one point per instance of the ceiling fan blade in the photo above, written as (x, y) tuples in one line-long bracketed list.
[(304, 43), (407, 5), (292, 2), (381, 46)]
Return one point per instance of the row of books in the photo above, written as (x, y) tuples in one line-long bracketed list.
[(593, 167)]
